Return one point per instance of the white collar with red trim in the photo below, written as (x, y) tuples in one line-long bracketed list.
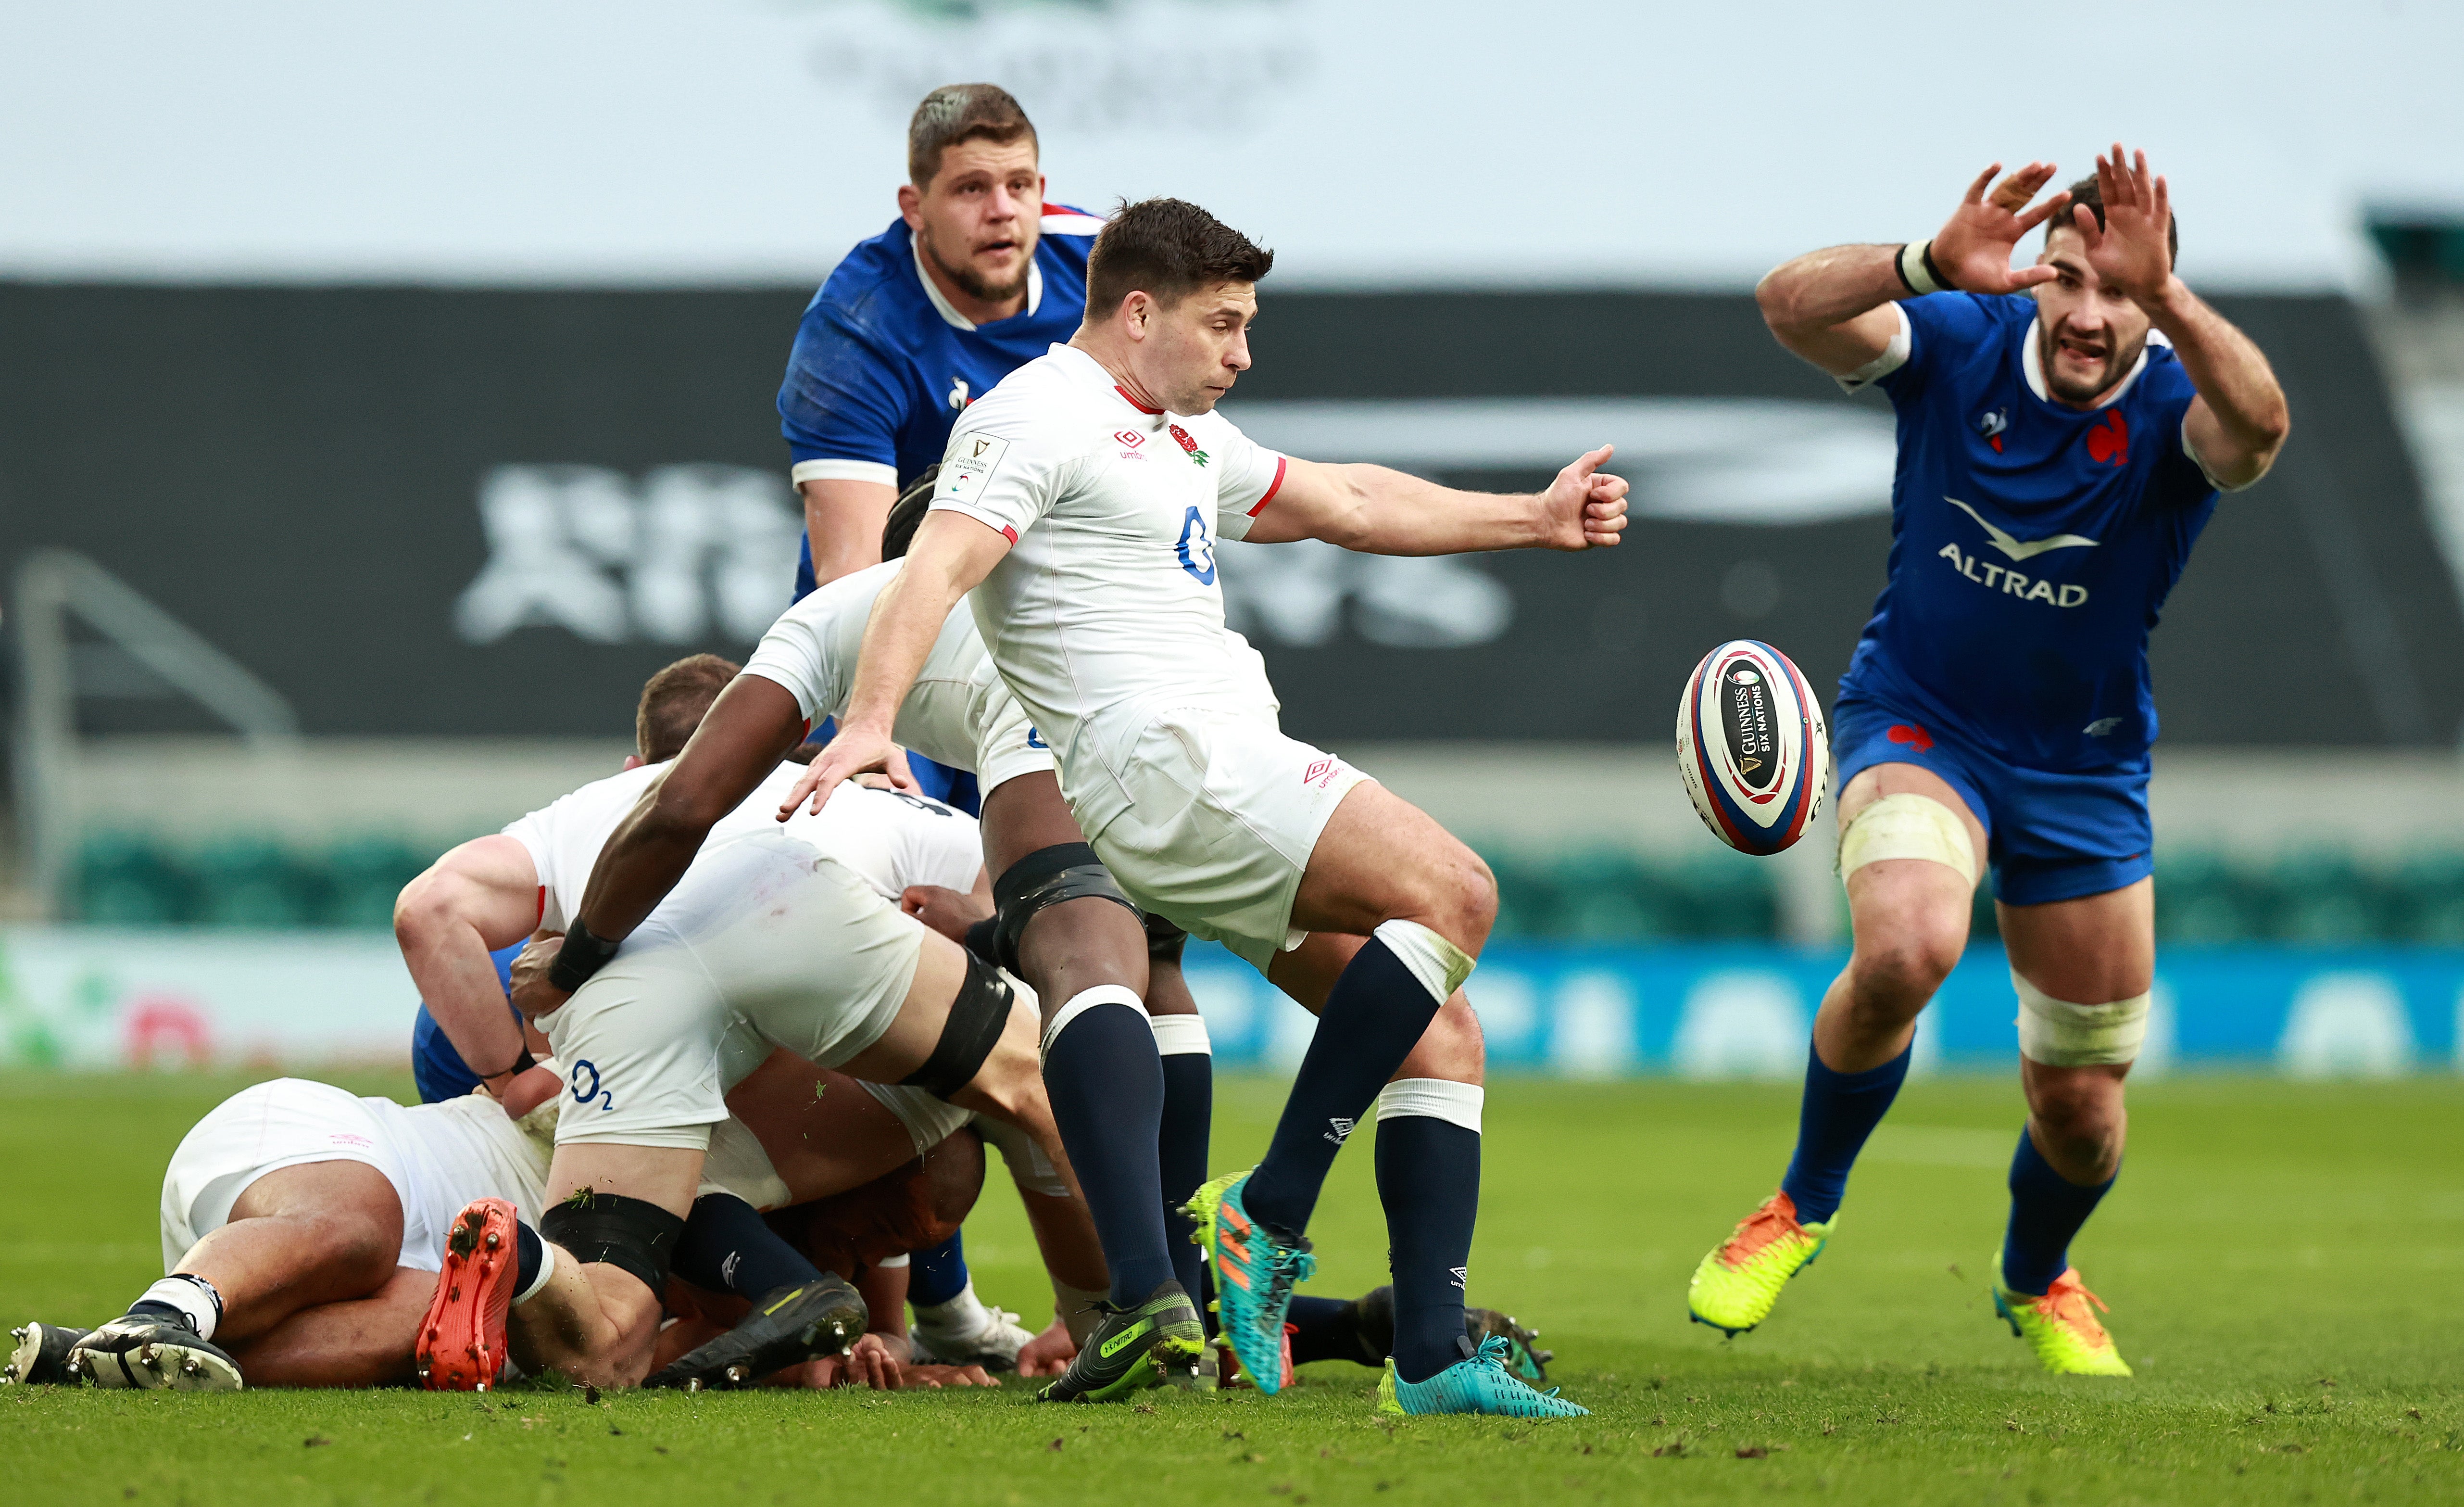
[(1095, 371), (2032, 366), (942, 305)]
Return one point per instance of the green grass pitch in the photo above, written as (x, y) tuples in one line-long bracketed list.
[(2283, 1260)]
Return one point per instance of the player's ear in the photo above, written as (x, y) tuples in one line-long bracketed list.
[(910, 204), (632, 760)]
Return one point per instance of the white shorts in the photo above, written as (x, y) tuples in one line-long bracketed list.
[(804, 951), (272, 1126), (1222, 814), (929, 1120), (1007, 745)]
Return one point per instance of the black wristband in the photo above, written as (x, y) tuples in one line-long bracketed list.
[(1899, 265), (522, 1064), (582, 956), (1934, 271)]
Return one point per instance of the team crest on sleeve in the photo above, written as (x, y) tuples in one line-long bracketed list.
[(970, 463)]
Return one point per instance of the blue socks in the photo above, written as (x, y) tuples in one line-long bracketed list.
[(728, 1247), (939, 1275), (2046, 1210), (527, 1253), (1106, 1084), (1839, 1110), (1373, 1018), (1428, 1177), (1188, 1118), (1327, 1329)]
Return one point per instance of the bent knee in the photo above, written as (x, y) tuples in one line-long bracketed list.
[(1899, 976), (1458, 899)]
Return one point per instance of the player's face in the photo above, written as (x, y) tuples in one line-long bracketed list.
[(979, 218), (1194, 350), (2089, 334)]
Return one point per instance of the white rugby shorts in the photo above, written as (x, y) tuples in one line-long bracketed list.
[(1007, 745), (1221, 813), (283, 1123), (804, 950)]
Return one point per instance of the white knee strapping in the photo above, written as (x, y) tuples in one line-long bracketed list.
[(2060, 1034), (1438, 963), (1182, 1036), (1437, 1098), (1907, 825), (1084, 1001)]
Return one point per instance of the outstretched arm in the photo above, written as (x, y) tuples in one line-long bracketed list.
[(750, 727), (952, 553), (2238, 421), (1829, 306), (1381, 512)]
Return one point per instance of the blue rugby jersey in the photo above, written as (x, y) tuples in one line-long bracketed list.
[(436, 1066), (2033, 544), (883, 365)]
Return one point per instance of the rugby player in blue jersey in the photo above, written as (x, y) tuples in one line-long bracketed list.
[(976, 277), (2063, 432)]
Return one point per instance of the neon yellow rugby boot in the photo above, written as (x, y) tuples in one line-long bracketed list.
[(2060, 1326), (1735, 1287)]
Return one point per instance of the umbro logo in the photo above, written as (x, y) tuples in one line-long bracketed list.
[(1129, 437), (1463, 1275), (1340, 1130)]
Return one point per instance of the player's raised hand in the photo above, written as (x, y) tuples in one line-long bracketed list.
[(1585, 507), (854, 751), (1975, 246), (2132, 250)]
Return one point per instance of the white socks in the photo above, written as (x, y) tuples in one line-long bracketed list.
[(1437, 1098)]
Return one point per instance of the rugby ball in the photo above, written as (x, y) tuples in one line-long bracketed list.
[(1751, 747)]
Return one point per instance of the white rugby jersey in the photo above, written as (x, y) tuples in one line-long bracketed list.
[(565, 838), (812, 650), (890, 840), (1108, 597)]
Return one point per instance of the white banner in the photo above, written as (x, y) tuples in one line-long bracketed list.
[(96, 997), (1370, 141)]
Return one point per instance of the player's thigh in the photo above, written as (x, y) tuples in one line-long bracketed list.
[(1379, 857), (354, 1208), (923, 1012), (667, 1176), (2092, 950), (1023, 815), (1904, 909)]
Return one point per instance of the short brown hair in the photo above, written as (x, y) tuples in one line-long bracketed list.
[(675, 701), (2088, 191), (955, 113), (1169, 249)]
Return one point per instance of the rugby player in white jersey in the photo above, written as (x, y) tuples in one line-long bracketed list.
[(304, 1228), (767, 927), (1079, 501)]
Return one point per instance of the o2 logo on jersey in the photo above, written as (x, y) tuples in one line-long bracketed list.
[(1197, 550), (583, 1096)]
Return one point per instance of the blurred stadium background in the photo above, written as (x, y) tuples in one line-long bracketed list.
[(383, 395)]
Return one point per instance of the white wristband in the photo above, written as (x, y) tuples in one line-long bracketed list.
[(1912, 267)]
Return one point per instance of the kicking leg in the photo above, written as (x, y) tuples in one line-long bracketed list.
[(1910, 853)]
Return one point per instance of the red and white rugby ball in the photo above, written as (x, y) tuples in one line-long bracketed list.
[(1753, 748)]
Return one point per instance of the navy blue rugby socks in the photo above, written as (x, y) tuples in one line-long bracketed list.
[(1839, 1110), (2046, 1210)]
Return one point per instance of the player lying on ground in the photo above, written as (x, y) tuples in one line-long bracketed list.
[(304, 1228), (1079, 503), (768, 928), (2057, 461)]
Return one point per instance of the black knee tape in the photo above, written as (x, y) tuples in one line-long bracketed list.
[(1067, 871), (632, 1233), (1164, 940), (976, 1019)]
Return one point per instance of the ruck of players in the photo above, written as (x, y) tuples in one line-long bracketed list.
[(713, 1048)]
